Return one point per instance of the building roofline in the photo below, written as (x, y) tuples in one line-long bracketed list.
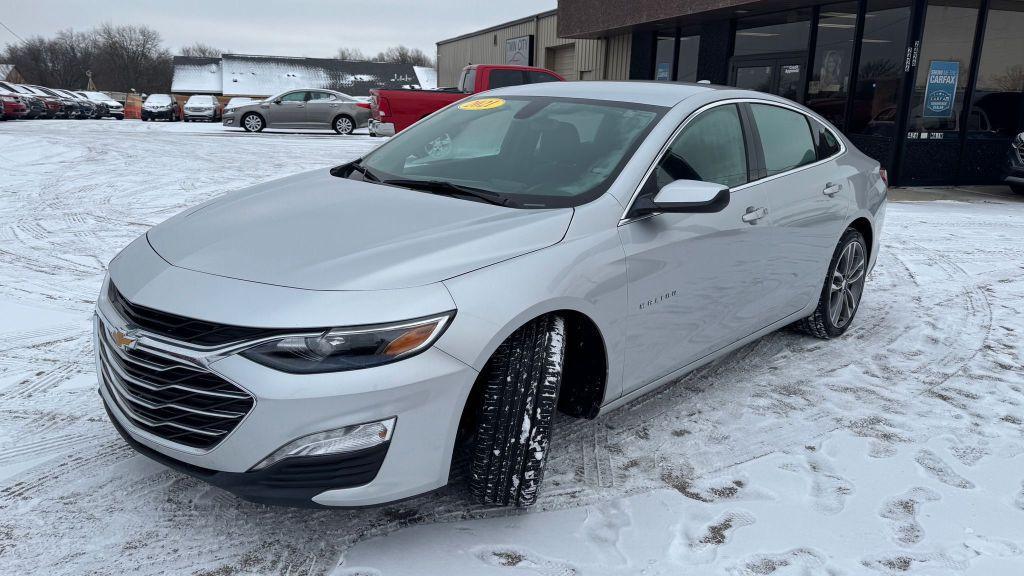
[(523, 20)]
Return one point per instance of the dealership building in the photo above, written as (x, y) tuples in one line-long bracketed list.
[(933, 89)]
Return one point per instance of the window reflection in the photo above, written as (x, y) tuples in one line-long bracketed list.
[(686, 68), (830, 75), (999, 94), (779, 32), (880, 69)]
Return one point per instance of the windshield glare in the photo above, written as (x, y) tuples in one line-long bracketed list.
[(536, 151)]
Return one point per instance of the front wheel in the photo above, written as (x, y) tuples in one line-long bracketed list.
[(841, 294), (513, 419), (344, 125), (252, 122)]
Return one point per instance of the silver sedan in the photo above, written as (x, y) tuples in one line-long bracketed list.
[(304, 109), (335, 337)]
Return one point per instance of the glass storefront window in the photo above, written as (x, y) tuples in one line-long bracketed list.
[(770, 33), (833, 51), (686, 64), (880, 69), (664, 56), (999, 94), (944, 66)]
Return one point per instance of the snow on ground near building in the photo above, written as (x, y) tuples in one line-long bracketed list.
[(897, 449)]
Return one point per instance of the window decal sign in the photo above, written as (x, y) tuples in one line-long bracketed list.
[(482, 104), (940, 93)]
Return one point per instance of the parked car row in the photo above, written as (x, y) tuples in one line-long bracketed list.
[(29, 101)]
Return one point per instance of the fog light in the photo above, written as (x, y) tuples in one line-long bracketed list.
[(347, 439)]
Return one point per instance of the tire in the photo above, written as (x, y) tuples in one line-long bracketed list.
[(343, 125), (840, 296), (253, 122), (514, 412)]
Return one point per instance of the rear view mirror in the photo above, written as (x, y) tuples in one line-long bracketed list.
[(691, 196)]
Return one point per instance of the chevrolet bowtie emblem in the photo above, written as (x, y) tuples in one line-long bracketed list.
[(124, 339)]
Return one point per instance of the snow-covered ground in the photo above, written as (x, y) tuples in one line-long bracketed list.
[(898, 449)]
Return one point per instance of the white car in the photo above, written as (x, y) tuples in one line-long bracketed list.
[(335, 337), (202, 107), (114, 108)]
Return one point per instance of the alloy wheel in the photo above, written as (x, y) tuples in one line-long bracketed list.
[(253, 123), (343, 125), (847, 284)]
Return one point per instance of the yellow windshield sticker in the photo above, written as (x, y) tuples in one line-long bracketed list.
[(482, 104)]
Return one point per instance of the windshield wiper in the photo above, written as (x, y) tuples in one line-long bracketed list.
[(367, 174), (449, 189)]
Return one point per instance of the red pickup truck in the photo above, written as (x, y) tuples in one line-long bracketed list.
[(392, 111)]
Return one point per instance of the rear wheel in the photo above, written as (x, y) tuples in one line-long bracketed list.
[(344, 125), (841, 294), (252, 122), (514, 412)]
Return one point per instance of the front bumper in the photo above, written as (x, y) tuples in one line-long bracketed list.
[(425, 392), (229, 120), (157, 114), (379, 128), (201, 115)]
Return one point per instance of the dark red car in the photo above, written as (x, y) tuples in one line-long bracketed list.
[(11, 106)]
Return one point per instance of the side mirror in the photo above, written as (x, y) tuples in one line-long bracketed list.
[(689, 196)]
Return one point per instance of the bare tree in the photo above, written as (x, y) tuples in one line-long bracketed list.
[(200, 50), (405, 55), (131, 57), (345, 53), (60, 62)]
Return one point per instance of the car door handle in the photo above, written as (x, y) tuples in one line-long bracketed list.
[(832, 189), (752, 214)]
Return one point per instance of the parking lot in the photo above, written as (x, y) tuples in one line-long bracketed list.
[(896, 449)]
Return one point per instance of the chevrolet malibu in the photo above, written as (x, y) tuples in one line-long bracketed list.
[(309, 109), (334, 338)]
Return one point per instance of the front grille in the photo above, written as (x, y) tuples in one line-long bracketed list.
[(190, 330), (184, 404)]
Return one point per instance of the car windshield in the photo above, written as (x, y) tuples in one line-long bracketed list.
[(158, 99), (97, 96), (532, 152), (197, 99)]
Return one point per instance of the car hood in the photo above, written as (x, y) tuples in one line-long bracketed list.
[(320, 232)]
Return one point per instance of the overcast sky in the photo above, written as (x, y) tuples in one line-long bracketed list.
[(315, 28)]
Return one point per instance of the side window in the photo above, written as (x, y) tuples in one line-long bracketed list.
[(294, 97), (538, 77), (828, 145), (321, 97), (785, 138), (710, 148), (502, 78)]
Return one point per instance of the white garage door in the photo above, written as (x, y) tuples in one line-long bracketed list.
[(563, 61)]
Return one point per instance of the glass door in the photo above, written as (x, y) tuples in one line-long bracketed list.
[(783, 76)]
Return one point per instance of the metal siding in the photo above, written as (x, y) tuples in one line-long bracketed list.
[(617, 50), (590, 54)]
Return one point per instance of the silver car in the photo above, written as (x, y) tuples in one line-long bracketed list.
[(333, 338), (310, 109)]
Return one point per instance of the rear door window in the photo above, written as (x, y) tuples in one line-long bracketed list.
[(501, 78), (828, 144), (785, 138)]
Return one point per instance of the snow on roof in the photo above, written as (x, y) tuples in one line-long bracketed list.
[(197, 75), (427, 77), (245, 75)]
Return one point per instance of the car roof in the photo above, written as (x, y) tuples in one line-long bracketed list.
[(640, 92)]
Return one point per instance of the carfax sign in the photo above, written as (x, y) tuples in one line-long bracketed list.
[(940, 93)]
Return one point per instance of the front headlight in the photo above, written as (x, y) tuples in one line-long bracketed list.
[(341, 349)]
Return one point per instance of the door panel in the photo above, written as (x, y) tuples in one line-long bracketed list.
[(290, 113), (694, 279), (321, 109), (791, 81), (808, 203)]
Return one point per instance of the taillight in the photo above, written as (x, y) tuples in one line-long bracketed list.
[(383, 107), (363, 105), (885, 176)]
